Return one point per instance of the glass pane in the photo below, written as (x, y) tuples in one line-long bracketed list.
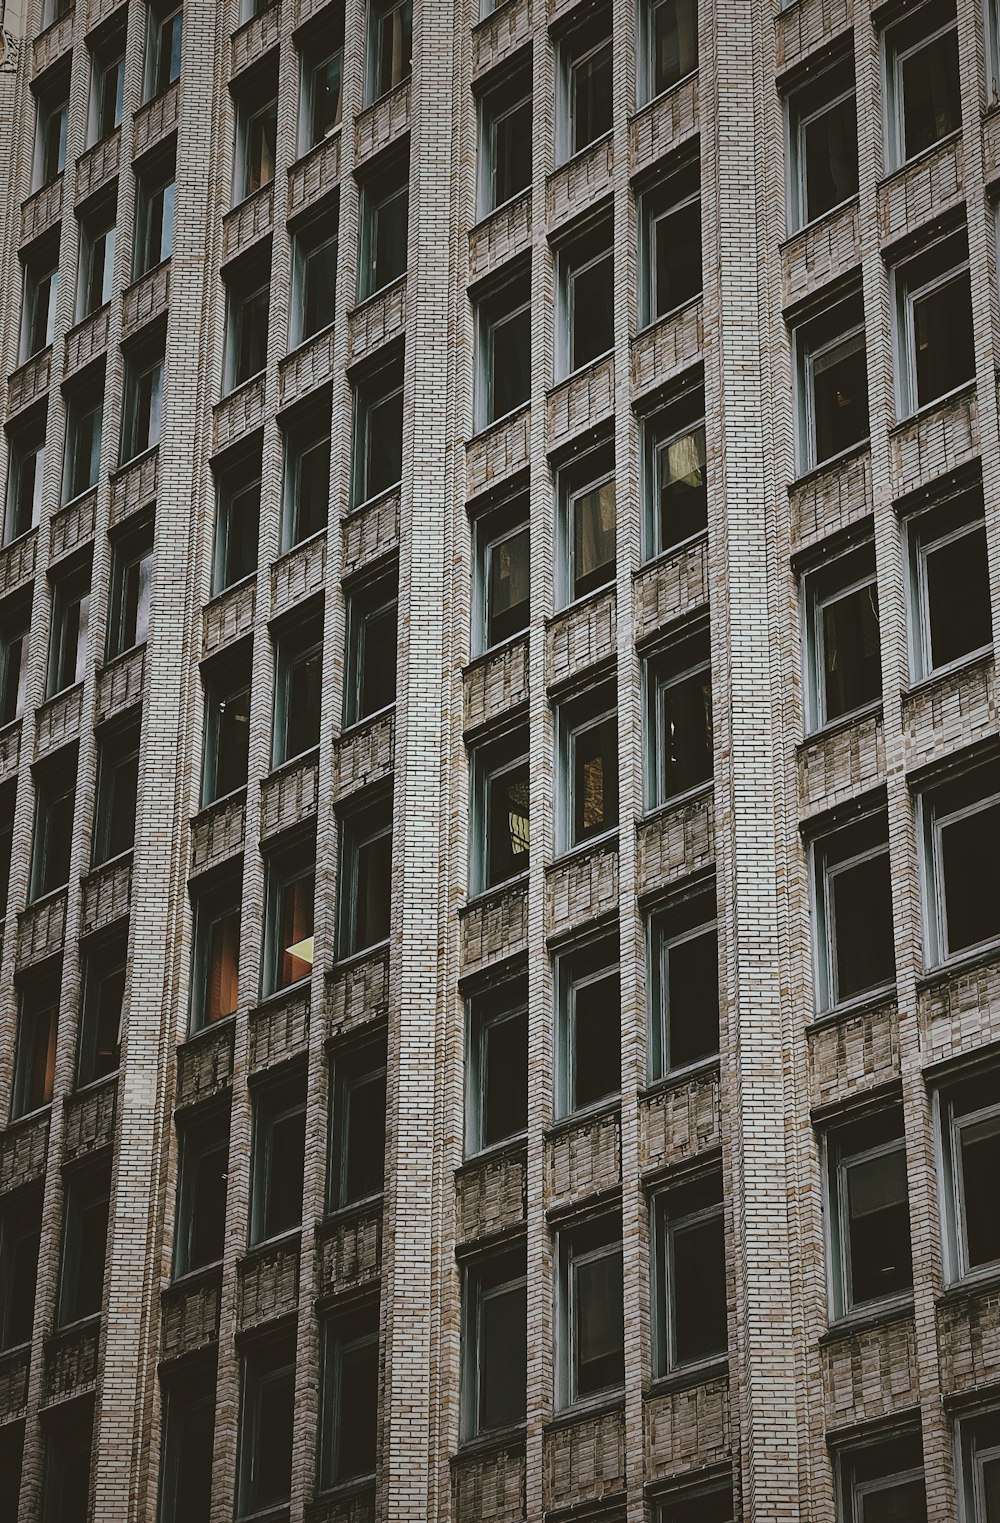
[(590, 104), (511, 152), (14, 674), (312, 490), (674, 42), (677, 258), (593, 538), (980, 1163), (878, 1227), (295, 932), (699, 1290), (283, 1207), (120, 805), (991, 1490), (208, 1207), (223, 966), (364, 1138), (239, 526), (373, 891), (395, 45), (840, 398), (320, 279), (232, 742), (92, 1228), (192, 1470), (106, 996), (861, 903), (508, 836), (595, 780), (38, 1061), (261, 147), (503, 1358), (904, 1503), (358, 1411), (326, 98), (931, 101), (942, 339), (303, 703), (685, 738), (599, 1331), (969, 848), (505, 1080), (682, 499), (829, 148), (20, 1270), (592, 317), (384, 444), (852, 653), (596, 1041), (692, 992), (377, 678), (510, 377), (388, 239), (507, 587), (958, 597), (273, 1440)]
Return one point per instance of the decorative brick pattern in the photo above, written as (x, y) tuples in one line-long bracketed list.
[(669, 588), (676, 841), (801, 29), (17, 562), (500, 35), (950, 712), (959, 1010), (52, 44), (378, 321), (870, 1374), (921, 190), (248, 223), (40, 929), (147, 299), (41, 211), (205, 1064), (583, 1160), (580, 183), (134, 486), (581, 888), (227, 617), (490, 1488), (830, 499), (87, 341), (667, 123), (308, 367), (98, 166), (268, 1283), (29, 381), (314, 175), (253, 39), (74, 525), (495, 455), (190, 1316), (23, 1150), (579, 637), (968, 1331), (582, 401), (14, 1382), (584, 1461), (853, 1054), (364, 755), (824, 251), (239, 413), (687, 1430), (371, 532), (156, 120), (58, 721), (107, 894), (661, 352), (89, 1121), (841, 764), (298, 574), (120, 683), (10, 750), (503, 235), (495, 685), (289, 796), (350, 1252), (494, 926), (279, 1029), (490, 1197), (383, 124), (680, 1122), (71, 1361), (934, 442), (358, 993)]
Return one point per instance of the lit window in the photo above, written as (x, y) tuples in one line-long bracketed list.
[(924, 94), (55, 808), (163, 46), (357, 1168), (349, 1420), (41, 287), (314, 277), (832, 380), (501, 811), (689, 1275), (505, 127), (306, 495), (854, 939), (961, 844), (842, 646), (950, 609), (156, 192), (584, 63), (684, 984), (585, 269), (97, 259), (85, 1237), (590, 1312), (35, 1059), (289, 924), (679, 736), (237, 519), (384, 210), (366, 877), (390, 45), (504, 343), (298, 677), (497, 1066), (676, 494), (201, 1193), (502, 591), (587, 729), (102, 1009), (372, 648), (69, 633), (267, 1425), (869, 1214), (132, 562), (25, 474), (669, 32), (883, 1480), (215, 971), (671, 244), (494, 1344), (378, 433), (823, 144), (277, 1161), (588, 1015), (934, 323)]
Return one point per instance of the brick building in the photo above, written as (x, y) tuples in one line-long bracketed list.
[(418, 422)]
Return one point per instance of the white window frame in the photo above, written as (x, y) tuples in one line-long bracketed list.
[(895, 58), (797, 123), (811, 359), (494, 107), (659, 942), (906, 298), (666, 668), (572, 484), (594, 708), (666, 1225), (569, 979), (978, 1444), (485, 546), (485, 1009), (569, 1257), (568, 60), (309, 70), (492, 313), (658, 435), (840, 1157), (949, 1129), (569, 272), (933, 819), (652, 219), (647, 63)]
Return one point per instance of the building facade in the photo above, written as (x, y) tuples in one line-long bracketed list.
[(499, 761)]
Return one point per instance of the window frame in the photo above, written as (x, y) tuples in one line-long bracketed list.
[(663, 932), (154, 180), (390, 185), (667, 1221), (486, 1009), (906, 296), (981, 787), (828, 998), (39, 270), (158, 71), (569, 269), (303, 436), (895, 58), (212, 902), (20, 1222), (851, 1491), (71, 589), (580, 966), (311, 62), (343, 1336), (595, 707), (685, 658), (494, 310), (822, 586), (266, 1361), (249, 110), (838, 1157), (601, 1238), (245, 285), (939, 526), (376, 88), (489, 762), (359, 828), (579, 47), (37, 1016), (117, 749), (583, 478), (54, 784), (100, 961), (354, 1068), (310, 239), (294, 646), (235, 479), (98, 225), (657, 204), (283, 869), (83, 403), (51, 110), (197, 1138), (682, 419), (495, 106), (797, 122), (647, 46), (486, 1277), (24, 442), (376, 390), (107, 56), (140, 364), (978, 1445), (491, 530), (272, 1105), (83, 1192), (130, 550), (369, 601)]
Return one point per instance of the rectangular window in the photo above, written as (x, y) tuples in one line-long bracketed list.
[(132, 562), (588, 1026), (66, 1472), (55, 806), (102, 1001), (586, 276), (25, 473), (587, 731), (669, 43), (349, 1431), (321, 93), (69, 633), (705, 1505), (84, 418), (8, 798), (277, 1162), (298, 683), (689, 1275), (501, 805), (504, 338), (289, 926), (502, 586), (15, 623), (869, 1214), (969, 1114), (256, 140), (675, 489), (679, 735), (163, 46), (832, 380), (883, 1480), (97, 259), (823, 144), (35, 1059), (267, 1425), (950, 608), (156, 192), (201, 1193), (843, 651), (227, 727), (378, 433), (494, 1344), (215, 972), (961, 839), (20, 1235), (314, 277), (107, 88), (855, 953), (306, 487), (384, 211), (41, 288), (505, 128), (670, 251), (237, 524), (357, 1165), (587, 525), (372, 617), (591, 1319), (85, 1236), (248, 291), (142, 410), (117, 794), (187, 1447), (923, 102), (51, 121), (496, 1066), (366, 877), (934, 323), (979, 1439), (584, 67), (683, 984), (390, 45)]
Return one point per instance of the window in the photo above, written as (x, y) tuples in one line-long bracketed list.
[(494, 1344), (8, 795), (163, 46), (823, 144), (215, 972), (298, 682), (227, 727), (505, 127), (278, 1161), (97, 259), (684, 984), (107, 88), (675, 477), (237, 495), (501, 804), (248, 290), (961, 838), (25, 472), (12, 1457), (923, 101), (55, 803), (68, 638), (201, 1193), (41, 287), (372, 648), (587, 730), (154, 216), (14, 625), (980, 1479), (934, 323), (883, 1480), (267, 1421), (390, 45), (671, 249), (586, 273), (132, 562), (117, 790), (66, 1473), (35, 1062), (102, 1009), (679, 752), (497, 1066), (843, 652), (349, 1418), (85, 1235), (588, 1019), (321, 100), (950, 609), (314, 277), (832, 378), (669, 43), (188, 1445), (256, 140), (288, 930), (357, 1166), (52, 113), (869, 1214), (854, 937), (969, 1114), (587, 526), (703, 1506), (689, 1275), (20, 1234), (306, 498), (384, 210), (142, 411), (84, 417), (378, 433), (366, 877), (590, 1312), (583, 63), (502, 585), (504, 336)]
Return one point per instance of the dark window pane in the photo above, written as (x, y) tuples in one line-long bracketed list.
[(364, 1138), (373, 885), (275, 1426), (507, 825), (394, 45), (878, 1227), (358, 1411), (969, 849), (980, 1162), (942, 339), (503, 1358), (699, 1290), (511, 152), (685, 737), (592, 317), (692, 999), (676, 258), (86, 1290), (864, 956), (189, 1451), (852, 655), (595, 780), (830, 154), (596, 1041), (674, 42), (904, 1503), (507, 589), (20, 1234), (932, 105), (326, 98), (383, 445), (840, 398), (208, 1206), (319, 280), (682, 499), (377, 677), (283, 1206), (36, 1054), (590, 104), (599, 1331), (510, 377), (958, 597), (231, 718), (593, 538), (310, 472), (100, 1042), (302, 698), (13, 676), (505, 1080)]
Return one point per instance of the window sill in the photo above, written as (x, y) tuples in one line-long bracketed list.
[(181, 1283), (869, 1000), (142, 275), (383, 496), (502, 206), (604, 1403), (350, 960), (482, 1444), (987, 1280), (571, 375), (377, 99), (315, 148), (371, 297), (688, 1376), (78, 497), (495, 891), (671, 314), (966, 962), (203, 1033), (830, 215), (655, 99), (981, 657), (248, 381), (119, 657), (80, 1325), (576, 853), (925, 153), (593, 596), (290, 763), (49, 897), (581, 153), (277, 997), (898, 1309), (607, 1105), (250, 580), (92, 1086), (484, 657), (513, 1146), (967, 388), (811, 473), (267, 1245), (26, 1117), (344, 1491), (703, 790), (664, 557), (357, 726), (303, 343), (678, 1077), (837, 726), (497, 423)]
